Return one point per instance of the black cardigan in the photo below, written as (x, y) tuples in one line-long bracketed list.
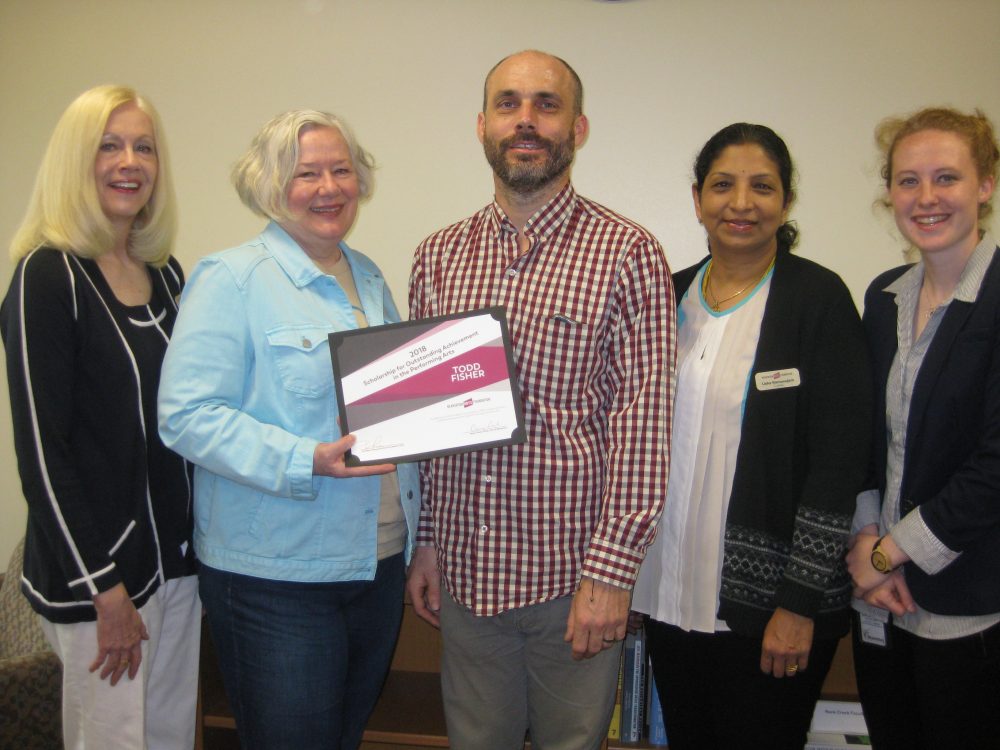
[(83, 407), (951, 467), (802, 457)]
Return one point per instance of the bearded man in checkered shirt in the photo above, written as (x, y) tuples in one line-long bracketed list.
[(538, 544)]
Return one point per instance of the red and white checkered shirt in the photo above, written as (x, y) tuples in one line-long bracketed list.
[(591, 312)]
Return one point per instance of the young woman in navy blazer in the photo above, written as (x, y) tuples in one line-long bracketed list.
[(926, 559)]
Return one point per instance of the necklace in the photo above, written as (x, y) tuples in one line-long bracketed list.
[(717, 304), (931, 308)]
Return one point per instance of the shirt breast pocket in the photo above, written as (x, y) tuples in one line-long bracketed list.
[(301, 356), (565, 361)]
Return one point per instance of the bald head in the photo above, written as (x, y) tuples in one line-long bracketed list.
[(541, 59)]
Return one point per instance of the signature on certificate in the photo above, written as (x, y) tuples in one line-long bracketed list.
[(374, 443), (491, 426)]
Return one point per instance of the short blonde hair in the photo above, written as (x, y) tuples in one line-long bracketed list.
[(262, 175), (65, 210), (975, 129)]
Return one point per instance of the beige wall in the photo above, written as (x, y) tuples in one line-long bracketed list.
[(660, 75)]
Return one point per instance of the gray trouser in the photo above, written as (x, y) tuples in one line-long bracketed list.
[(513, 672)]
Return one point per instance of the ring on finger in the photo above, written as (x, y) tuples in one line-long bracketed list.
[(791, 668)]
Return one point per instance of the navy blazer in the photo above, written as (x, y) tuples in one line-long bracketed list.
[(951, 465)]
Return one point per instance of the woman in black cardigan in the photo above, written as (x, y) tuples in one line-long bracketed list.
[(745, 584), (108, 561), (928, 551)]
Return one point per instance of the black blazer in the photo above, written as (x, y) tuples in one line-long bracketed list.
[(951, 465), (82, 438)]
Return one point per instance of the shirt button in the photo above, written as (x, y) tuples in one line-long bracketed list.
[(488, 478), (512, 272), (484, 528)]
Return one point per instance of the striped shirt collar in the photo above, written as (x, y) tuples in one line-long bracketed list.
[(907, 286)]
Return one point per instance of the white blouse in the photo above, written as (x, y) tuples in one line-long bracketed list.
[(680, 578)]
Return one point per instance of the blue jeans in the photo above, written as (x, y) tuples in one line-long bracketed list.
[(303, 663)]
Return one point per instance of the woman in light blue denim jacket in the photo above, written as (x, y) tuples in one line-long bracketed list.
[(302, 557)]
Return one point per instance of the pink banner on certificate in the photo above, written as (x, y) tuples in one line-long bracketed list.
[(463, 373)]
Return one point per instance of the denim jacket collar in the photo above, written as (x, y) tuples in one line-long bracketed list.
[(301, 271)]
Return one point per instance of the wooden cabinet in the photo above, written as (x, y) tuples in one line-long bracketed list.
[(841, 683), (409, 714)]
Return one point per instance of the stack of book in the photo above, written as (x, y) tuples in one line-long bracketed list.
[(837, 725), (637, 715)]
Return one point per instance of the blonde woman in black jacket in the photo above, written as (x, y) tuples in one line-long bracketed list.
[(108, 563)]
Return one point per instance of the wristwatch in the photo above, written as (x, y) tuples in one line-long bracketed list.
[(880, 560)]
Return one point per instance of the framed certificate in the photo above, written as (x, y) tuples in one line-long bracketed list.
[(426, 388)]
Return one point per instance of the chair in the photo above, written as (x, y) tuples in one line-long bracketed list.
[(30, 672)]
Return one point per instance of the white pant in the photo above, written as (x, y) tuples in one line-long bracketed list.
[(156, 710)]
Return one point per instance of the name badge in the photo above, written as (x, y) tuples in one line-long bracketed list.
[(874, 631), (770, 381)]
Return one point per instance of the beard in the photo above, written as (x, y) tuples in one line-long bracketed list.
[(532, 174)]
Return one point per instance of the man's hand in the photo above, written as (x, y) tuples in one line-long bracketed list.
[(423, 583), (598, 617), (120, 633)]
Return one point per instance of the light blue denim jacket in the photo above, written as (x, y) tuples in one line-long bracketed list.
[(247, 393)]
